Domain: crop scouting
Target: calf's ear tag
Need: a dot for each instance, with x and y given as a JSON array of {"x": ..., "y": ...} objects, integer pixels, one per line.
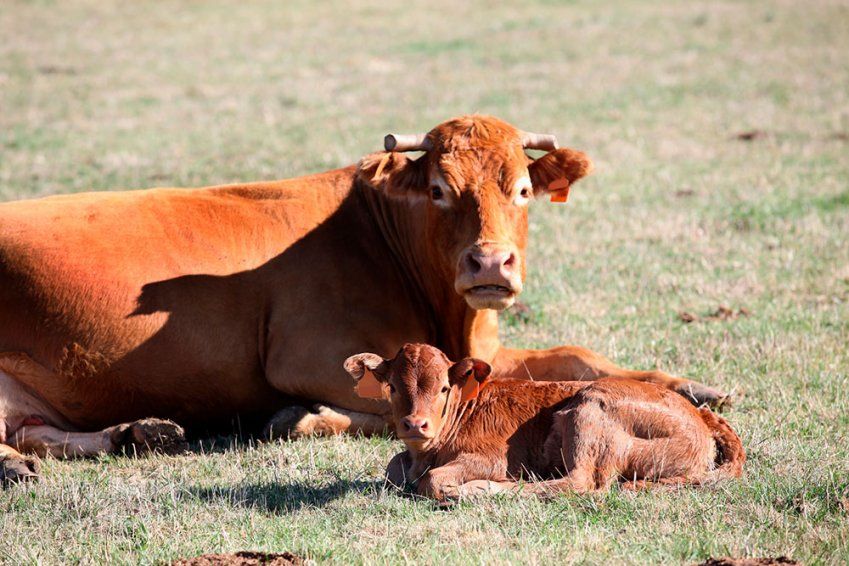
[
  {"x": 368, "y": 386},
  {"x": 559, "y": 190},
  {"x": 470, "y": 389}
]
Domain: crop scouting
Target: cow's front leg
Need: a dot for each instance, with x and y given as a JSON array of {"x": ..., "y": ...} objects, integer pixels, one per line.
[
  {"x": 573, "y": 363},
  {"x": 137, "y": 437},
  {"x": 295, "y": 422},
  {"x": 16, "y": 467}
]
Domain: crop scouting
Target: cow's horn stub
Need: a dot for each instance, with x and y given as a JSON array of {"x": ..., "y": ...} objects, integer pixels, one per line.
[
  {"x": 544, "y": 142},
  {"x": 406, "y": 142}
]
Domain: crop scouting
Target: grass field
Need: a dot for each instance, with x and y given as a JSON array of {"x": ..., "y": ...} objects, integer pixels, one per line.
[{"x": 680, "y": 216}]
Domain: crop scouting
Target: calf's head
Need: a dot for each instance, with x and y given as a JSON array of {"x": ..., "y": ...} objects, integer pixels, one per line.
[
  {"x": 473, "y": 184},
  {"x": 424, "y": 388}
]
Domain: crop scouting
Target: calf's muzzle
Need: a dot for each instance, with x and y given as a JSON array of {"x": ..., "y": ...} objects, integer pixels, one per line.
[{"x": 416, "y": 426}]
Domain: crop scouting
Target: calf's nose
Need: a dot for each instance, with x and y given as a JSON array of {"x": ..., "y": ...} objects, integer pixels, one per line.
[{"x": 415, "y": 424}]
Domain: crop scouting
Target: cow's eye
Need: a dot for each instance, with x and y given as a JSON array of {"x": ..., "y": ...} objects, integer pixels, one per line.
[
  {"x": 445, "y": 390},
  {"x": 523, "y": 196},
  {"x": 436, "y": 193},
  {"x": 391, "y": 388}
]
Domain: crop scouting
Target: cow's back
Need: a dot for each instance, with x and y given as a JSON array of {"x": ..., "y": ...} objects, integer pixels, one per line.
[{"x": 151, "y": 302}]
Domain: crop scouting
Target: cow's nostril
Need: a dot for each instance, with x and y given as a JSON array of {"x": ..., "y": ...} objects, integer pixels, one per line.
[
  {"x": 406, "y": 423},
  {"x": 511, "y": 259},
  {"x": 424, "y": 425},
  {"x": 473, "y": 264}
]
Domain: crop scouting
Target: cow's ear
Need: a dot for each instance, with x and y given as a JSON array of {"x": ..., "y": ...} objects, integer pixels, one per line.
[
  {"x": 554, "y": 172},
  {"x": 370, "y": 372},
  {"x": 393, "y": 173},
  {"x": 470, "y": 376}
]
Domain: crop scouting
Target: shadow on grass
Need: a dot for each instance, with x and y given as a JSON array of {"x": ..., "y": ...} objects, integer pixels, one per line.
[{"x": 281, "y": 498}]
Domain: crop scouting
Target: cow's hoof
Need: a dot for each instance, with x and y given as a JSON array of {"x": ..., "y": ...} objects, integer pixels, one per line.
[
  {"x": 289, "y": 423},
  {"x": 699, "y": 394},
  {"x": 150, "y": 435},
  {"x": 296, "y": 422},
  {"x": 18, "y": 468}
]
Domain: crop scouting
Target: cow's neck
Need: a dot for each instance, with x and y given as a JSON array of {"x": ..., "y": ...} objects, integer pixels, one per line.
[{"x": 453, "y": 326}]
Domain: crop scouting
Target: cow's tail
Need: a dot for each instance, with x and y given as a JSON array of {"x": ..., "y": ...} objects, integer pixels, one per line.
[{"x": 730, "y": 455}]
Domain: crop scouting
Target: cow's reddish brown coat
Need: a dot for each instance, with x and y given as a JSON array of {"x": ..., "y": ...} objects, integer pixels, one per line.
[{"x": 201, "y": 305}]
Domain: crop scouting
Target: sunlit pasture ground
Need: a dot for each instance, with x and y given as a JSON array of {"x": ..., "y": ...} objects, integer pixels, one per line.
[{"x": 681, "y": 215}]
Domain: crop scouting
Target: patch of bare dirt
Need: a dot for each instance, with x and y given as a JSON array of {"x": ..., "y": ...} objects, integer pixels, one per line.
[
  {"x": 843, "y": 502},
  {"x": 243, "y": 558},
  {"x": 721, "y": 313},
  {"x": 777, "y": 561},
  {"x": 750, "y": 135},
  {"x": 56, "y": 70}
]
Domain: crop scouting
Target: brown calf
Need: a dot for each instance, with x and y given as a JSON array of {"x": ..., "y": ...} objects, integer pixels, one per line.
[{"x": 466, "y": 433}]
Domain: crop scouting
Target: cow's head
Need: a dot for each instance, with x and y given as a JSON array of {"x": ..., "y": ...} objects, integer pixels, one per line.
[
  {"x": 424, "y": 388},
  {"x": 475, "y": 182}
]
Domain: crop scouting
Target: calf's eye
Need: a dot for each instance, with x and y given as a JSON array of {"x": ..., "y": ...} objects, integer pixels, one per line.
[
  {"x": 436, "y": 193},
  {"x": 391, "y": 388},
  {"x": 445, "y": 390}
]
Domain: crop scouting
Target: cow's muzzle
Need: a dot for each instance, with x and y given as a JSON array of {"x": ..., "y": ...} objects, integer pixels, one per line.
[{"x": 489, "y": 276}]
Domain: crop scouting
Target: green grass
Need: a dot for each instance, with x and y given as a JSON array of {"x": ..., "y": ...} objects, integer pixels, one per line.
[{"x": 679, "y": 216}]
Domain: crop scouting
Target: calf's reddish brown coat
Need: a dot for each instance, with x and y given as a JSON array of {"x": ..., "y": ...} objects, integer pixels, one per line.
[{"x": 466, "y": 433}]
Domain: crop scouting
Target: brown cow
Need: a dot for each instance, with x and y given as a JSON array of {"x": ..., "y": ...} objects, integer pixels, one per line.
[
  {"x": 203, "y": 305},
  {"x": 467, "y": 434}
]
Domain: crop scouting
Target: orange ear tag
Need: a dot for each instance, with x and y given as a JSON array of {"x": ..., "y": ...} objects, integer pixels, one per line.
[
  {"x": 559, "y": 190},
  {"x": 470, "y": 390},
  {"x": 369, "y": 387}
]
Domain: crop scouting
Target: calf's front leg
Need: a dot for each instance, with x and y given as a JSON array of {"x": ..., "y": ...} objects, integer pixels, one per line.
[
  {"x": 444, "y": 482},
  {"x": 573, "y": 363},
  {"x": 398, "y": 471},
  {"x": 439, "y": 483}
]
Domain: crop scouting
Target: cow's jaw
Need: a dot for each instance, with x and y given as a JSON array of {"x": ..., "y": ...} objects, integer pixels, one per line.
[{"x": 495, "y": 297}]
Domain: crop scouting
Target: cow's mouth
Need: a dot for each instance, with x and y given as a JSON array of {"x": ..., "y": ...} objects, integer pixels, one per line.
[
  {"x": 497, "y": 297},
  {"x": 491, "y": 289}
]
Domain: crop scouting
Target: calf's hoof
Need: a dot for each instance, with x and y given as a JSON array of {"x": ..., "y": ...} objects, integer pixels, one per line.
[
  {"x": 476, "y": 488},
  {"x": 150, "y": 435},
  {"x": 18, "y": 468},
  {"x": 699, "y": 394}
]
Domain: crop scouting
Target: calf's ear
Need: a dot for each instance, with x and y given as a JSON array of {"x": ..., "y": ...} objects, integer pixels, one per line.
[
  {"x": 554, "y": 172},
  {"x": 470, "y": 375},
  {"x": 393, "y": 173},
  {"x": 369, "y": 372}
]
